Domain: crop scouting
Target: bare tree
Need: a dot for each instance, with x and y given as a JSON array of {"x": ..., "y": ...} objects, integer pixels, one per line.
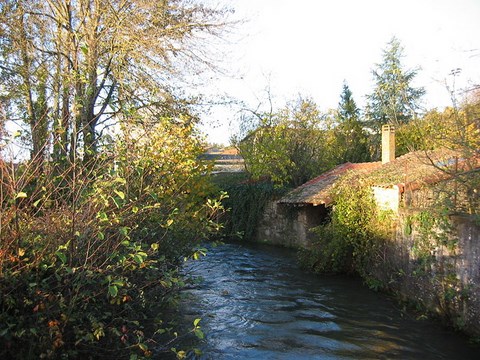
[{"x": 75, "y": 67}]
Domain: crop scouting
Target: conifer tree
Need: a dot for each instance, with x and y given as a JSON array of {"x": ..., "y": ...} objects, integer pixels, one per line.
[
  {"x": 394, "y": 99},
  {"x": 351, "y": 138}
]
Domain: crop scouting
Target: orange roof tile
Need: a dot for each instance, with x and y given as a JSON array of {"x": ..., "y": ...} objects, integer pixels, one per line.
[
  {"x": 422, "y": 167},
  {"x": 411, "y": 170},
  {"x": 318, "y": 190}
]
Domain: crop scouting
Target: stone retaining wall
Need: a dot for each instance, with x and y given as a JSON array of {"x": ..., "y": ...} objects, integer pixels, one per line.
[{"x": 449, "y": 285}]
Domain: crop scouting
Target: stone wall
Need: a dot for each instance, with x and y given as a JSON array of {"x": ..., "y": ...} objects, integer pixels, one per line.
[
  {"x": 289, "y": 226},
  {"x": 449, "y": 283}
]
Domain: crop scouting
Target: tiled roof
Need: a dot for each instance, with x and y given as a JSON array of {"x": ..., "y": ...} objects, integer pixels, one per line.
[
  {"x": 318, "y": 190},
  {"x": 412, "y": 170},
  {"x": 422, "y": 167}
]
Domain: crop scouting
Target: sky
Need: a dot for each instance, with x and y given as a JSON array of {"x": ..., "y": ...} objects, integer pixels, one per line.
[{"x": 311, "y": 47}]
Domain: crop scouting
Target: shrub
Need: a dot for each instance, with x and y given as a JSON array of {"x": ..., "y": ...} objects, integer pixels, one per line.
[
  {"x": 89, "y": 261},
  {"x": 354, "y": 241}
]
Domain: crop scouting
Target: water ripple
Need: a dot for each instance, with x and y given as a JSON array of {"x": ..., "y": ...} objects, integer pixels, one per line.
[{"x": 256, "y": 304}]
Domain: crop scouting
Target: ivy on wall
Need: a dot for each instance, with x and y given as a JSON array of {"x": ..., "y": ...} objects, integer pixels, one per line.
[
  {"x": 354, "y": 241},
  {"x": 245, "y": 204},
  {"x": 434, "y": 243}
]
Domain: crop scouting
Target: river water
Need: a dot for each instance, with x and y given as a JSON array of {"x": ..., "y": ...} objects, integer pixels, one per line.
[{"x": 255, "y": 303}]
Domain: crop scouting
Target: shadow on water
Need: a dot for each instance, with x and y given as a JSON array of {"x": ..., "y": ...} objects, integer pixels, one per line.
[{"x": 255, "y": 303}]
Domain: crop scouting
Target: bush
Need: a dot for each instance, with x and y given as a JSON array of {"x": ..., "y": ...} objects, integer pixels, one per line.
[
  {"x": 329, "y": 252},
  {"x": 355, "y": 240},
  {"x": 245, "y": 204},
  {"x": 89, "y": 261}
]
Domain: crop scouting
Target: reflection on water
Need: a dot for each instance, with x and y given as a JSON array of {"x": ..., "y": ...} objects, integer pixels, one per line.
[{"x": 256, "y": 304}]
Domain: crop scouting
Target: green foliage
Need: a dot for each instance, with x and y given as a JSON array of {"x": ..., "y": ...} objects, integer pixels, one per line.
[
  {"x": 351, "y": 140},
  {"x": 433, "y": 230},
  {"x": 329, "y": 253},
  {"x": 66, "y": 81},
  {"x": 358, "y": 240},
  {"x": 394, "y": 100},
  {"x": 224, "y": 180},
  {"x": 245, "y": 204},
  {"x": 433, "y": 234},
  {"x": 93, "y": 227},
  {"x": 93, "y": 267},
  {"x": 454, "y": 129},
  {"x": 244, "y": 201},
  {"x": 290, "y": 146},
  {"x": 354, "y": 240}
]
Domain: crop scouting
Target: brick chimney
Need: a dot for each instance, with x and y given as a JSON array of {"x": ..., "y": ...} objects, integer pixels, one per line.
[{"x": 388, "y": 143}]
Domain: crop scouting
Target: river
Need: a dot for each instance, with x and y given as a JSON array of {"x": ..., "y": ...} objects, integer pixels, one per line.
[{"x": 255, "y": 303}]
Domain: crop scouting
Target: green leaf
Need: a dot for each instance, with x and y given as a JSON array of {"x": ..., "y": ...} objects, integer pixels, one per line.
[
  {"x": 117, "y": 283},
  {"x": 117, "y": 203},
  {"x": 21, "y": 195},
  {"x": 100, "y": 236},
  {"x": 121, "y": 194},
  {"x": 124, "y": 230},
  {"x": 102, "y": 216},
  {"x": 199, "y": 334},
  {"x": 61, "y": 256},
  {"x": 198, "y": 352},
  {"x": 138, "y": 259},
  {"x": 112, "y": 290},
  {"x": 120, "y": 180},
  {"x": 195, "y": 323}
]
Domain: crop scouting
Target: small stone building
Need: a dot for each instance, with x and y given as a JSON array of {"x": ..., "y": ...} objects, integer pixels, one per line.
[{"x": 288, "y": 221}]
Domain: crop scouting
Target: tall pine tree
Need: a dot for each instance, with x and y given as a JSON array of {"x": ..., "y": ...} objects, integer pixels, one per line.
[
  {"x": 351, "y": 138},
  {"x": 394, "y": 100}
]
